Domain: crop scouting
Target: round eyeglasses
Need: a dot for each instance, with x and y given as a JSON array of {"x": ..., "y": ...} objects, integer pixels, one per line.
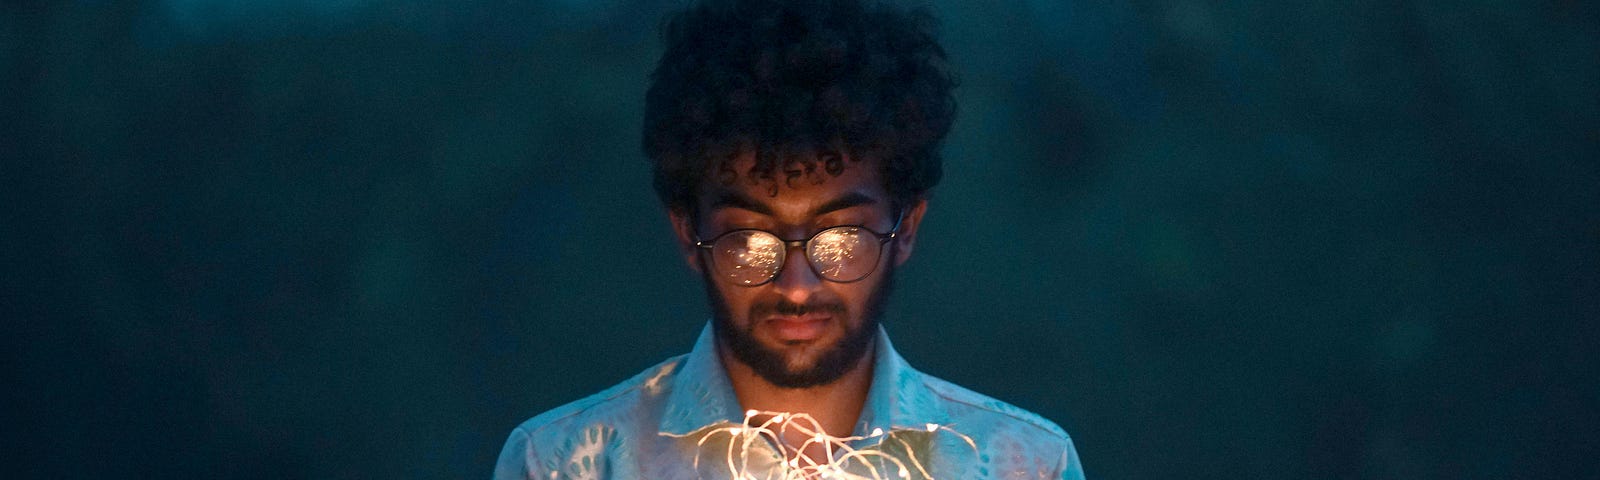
[{"x": 843, "y": 254}]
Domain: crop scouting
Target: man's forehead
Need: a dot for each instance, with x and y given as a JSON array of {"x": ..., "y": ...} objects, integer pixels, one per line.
[
  {"x": 792, "y": 189},
  {"x": 790, "y": 205}
]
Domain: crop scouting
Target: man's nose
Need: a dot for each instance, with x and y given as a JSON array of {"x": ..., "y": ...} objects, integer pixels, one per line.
[{"x": 796, "y": 281}]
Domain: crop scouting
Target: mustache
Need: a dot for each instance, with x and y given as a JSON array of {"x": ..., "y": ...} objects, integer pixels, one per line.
[{"x": 788, "y": 308}]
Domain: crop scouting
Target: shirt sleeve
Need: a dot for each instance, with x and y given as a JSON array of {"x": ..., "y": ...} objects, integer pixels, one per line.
[
  {"x": 1071, "y": 467},
  {"x": 516, "y": 458}
]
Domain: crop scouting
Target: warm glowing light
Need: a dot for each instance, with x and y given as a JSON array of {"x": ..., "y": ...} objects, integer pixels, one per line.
[
  {"x": 759, "y": 253},
  {"x": 842, "y": 460},
  {"x": 834, "y": 249}
]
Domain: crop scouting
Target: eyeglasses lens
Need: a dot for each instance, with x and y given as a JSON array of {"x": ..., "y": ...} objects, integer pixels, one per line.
[
  {"x": 842, "y": 254},
  {"x": 748, "y": 257}
]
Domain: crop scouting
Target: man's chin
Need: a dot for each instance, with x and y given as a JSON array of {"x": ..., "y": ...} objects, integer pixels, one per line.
[
  {"x": 801, "y": 364},
  {"x": 800, "y": 374},
  {"x": 798, "y": 359},
  {"x": 786, "y": 363}
]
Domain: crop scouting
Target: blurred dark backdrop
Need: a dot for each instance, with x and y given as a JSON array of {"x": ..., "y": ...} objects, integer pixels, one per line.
[{"x": 364, "y": 239}]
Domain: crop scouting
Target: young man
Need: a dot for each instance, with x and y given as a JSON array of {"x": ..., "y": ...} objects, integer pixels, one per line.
[{"x": 794, "y": 143}]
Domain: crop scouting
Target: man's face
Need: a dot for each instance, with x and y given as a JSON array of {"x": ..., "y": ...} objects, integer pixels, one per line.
[{"x": 798, "y": 330}]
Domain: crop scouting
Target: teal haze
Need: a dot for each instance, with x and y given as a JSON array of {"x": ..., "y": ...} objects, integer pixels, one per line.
[{"x": 1211, "y": 239}]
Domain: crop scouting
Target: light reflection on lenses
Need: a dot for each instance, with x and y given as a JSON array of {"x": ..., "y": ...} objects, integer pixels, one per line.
[
  {"x": 748, "y": 257},
  {"x": 754, "y": 257},
  {"x": 837, "y": 254}
]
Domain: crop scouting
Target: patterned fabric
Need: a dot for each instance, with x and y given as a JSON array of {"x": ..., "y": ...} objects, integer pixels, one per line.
[{"x": 680, "y": 420}]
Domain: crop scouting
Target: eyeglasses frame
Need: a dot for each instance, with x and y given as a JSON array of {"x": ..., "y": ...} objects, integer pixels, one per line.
[{"x": 883, "y": 238}]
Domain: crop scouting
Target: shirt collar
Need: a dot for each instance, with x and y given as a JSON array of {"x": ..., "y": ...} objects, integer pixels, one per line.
[
  {"x": 898, "y": 398},
  {"x": 702, "y": 395}
]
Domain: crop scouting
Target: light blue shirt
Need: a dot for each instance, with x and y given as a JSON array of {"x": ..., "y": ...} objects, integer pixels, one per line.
[{"x": 681, "y": 420}]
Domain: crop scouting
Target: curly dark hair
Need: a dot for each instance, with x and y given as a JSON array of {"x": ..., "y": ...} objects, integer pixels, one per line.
[{"x": 801, "y": 84}]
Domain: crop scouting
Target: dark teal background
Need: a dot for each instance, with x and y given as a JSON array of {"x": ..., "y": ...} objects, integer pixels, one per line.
[{"x": 364, "y": 239}]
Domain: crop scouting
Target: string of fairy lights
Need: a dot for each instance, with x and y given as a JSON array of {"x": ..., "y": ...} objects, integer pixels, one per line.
[{"x": 841, "y": 460}]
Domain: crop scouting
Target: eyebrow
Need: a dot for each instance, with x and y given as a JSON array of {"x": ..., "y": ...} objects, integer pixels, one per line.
[
  {"x": 744, "y": 202},
  {"x": 852, "y": 199},
  {"x": 740, "y": 201}
]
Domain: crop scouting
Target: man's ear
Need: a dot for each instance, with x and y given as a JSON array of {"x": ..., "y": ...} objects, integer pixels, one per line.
[
  {"x": 683, "y": 229},
  {"x": 907, "y": 236}
]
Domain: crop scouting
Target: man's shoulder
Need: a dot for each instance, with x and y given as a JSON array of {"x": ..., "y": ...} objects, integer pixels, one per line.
[
  {"x": 569, "y": 436},
  {"x": 622, "y": 399},
  {"x": 1026, "y": 441},
  {"x": 973, "y": 409}
]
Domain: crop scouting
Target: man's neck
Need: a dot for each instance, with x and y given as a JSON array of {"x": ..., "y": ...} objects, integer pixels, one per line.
[{"x": 835, "y": 406}]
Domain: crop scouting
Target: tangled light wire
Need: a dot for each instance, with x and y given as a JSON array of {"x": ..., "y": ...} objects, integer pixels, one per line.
[{"x": 797, "y": 465}]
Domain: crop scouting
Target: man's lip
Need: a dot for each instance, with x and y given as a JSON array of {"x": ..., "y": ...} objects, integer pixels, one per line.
[{"x": 798, "y": 328}]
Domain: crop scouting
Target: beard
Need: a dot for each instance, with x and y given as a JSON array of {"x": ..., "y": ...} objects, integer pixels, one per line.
[{"x": 771, "y": 364}]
